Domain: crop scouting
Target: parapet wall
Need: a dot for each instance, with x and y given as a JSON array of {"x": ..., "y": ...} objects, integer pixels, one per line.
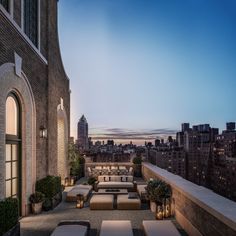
[{"x": 197, "y": 209}]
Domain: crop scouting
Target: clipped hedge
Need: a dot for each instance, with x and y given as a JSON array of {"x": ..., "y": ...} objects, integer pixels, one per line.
[
  {"x": 9, "y": 214},
  {"x": 49, "y": 186}
]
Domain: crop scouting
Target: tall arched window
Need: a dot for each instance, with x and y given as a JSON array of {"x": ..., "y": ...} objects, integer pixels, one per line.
[{"x": 13, "y": 146}]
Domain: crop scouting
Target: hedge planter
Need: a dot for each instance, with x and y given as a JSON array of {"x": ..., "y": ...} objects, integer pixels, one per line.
[
  {"x": 14, "y": 231},
  {"x": 37, "y": 207}
]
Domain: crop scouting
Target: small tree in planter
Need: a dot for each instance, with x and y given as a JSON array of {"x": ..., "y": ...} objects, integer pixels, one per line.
[
  {"x": 152, "y": 193},
  {"x": 137, "y": 161},
  {"x": 36, "y": 199},
  {"x": 76, "y": 162},
  {"x": 92, "y": 181}
]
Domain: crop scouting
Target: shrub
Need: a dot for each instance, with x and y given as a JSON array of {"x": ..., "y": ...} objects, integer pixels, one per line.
[
  {"x": 91, "y": 180},
  {"x": 137, "y": 160},
  {"x": 49, "y": 186},
  {"x": 158, "y": 190},
  {"x": 8, "y": 214},
  {"x": 36, "y": 197}
]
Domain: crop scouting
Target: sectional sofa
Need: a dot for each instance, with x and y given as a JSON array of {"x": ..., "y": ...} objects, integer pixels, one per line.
[{"x": 116, "y": 182}]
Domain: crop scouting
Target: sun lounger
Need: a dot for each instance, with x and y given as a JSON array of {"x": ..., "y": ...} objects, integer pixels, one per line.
[
  {"x": 72, "y": 228},
  {"x": 116, "y": 228},
  {"x": 160, "y": 228}
]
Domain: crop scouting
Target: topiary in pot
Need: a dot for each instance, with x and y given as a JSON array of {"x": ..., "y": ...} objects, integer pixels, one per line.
[
  {"x": 137, "y": 161},
  {"x": 36, "y": 199}
]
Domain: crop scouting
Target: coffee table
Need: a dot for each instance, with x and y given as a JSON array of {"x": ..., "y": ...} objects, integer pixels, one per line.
[{"x": 112, "y": 191}]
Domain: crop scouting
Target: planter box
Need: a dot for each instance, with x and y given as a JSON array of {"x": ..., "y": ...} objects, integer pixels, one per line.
[
  {"x": 53, "y": 202},
  {"x": 15, "y": 231}
]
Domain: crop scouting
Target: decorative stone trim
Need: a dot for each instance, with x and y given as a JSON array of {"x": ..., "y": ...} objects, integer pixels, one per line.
[{"x": 10, "y": 82}]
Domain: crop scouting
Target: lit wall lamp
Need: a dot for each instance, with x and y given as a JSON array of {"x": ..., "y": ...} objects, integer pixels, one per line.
[{"x": 43, "y": 132}]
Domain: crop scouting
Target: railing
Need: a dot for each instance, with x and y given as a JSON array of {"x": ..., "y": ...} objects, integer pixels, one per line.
[{"x": 197, "y": 209}]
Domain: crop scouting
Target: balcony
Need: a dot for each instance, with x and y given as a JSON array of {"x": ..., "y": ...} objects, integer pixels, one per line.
[{"x": 196, "y": 210}]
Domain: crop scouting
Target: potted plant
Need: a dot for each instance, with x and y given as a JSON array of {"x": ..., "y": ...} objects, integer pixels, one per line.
[
  {"x": 162, "y": 193},
  {"x": 36, "y": 199},
  {"x": 137, "y": 161},
  {"x": 92, "y": 181},
  {"x": 152, "y": 193}
]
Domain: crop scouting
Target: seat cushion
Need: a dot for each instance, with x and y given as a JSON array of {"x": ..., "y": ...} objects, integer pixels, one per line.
[
  {"x": 126, "y": 203},
  {"x": 102, "y": 202},
  {"x": 72, "y": 230},
  {"x": 78, "y": 189}
]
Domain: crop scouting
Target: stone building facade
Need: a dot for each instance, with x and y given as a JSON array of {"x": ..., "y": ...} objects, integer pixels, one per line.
[{"x": 34, "y": 98}]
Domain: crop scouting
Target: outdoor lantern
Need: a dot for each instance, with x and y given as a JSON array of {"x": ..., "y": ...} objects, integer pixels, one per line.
[
  {"x": 72, "y": 181},
  {"x": 79, "y": 201},
  {"x": 43, "y": 132},
  {"x": 66, "y": 181},
  {"x": 167, "y": 208},
  {"x": 159, "y": 212}
]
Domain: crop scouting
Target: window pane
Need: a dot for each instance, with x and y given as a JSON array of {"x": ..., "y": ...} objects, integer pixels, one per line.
[
  {"x": 14, "y": 152},
  {"x": 11, "y": 116},
  {"x": 31, "y": 20},
  {"x": 5, "y": 4},
  {"x": 14, "y": 186},
  {"x": 14, "y": 169},
  {"x": 8, "y": 188},
  {"x": 8, "y": 170},
  {"x": 8, "y": 152}
]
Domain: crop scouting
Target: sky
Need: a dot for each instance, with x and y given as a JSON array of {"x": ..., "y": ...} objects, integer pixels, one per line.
[{"x": 140, "y": 68}]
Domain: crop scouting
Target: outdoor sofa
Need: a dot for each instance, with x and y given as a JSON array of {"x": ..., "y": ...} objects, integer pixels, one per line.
[{"x": 116, "y": 182}]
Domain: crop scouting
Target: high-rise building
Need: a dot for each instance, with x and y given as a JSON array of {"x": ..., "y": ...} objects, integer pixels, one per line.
[
  {"x": 185, "y": 127},
  {"x": 82, "y": 134},
  {"x": 230, "y": 126}
]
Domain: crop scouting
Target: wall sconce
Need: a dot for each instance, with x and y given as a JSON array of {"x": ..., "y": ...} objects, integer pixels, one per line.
[
  {"x": 43, "y": 132},
  {"x": 79, "y": 201}
]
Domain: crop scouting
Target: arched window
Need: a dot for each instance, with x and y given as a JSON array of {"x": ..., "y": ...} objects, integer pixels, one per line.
[{"x": 13, "y": 147}]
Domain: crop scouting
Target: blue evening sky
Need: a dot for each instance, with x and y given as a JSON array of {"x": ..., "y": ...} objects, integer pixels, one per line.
[{"x": 143, "y": 65}]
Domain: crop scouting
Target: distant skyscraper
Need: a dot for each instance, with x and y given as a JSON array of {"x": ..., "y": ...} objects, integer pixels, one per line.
[
  {"x": 185, "y": 127},
  {"x": 82, "y": 133}
]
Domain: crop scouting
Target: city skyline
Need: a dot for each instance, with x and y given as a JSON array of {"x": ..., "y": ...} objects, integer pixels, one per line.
[{"x": 144, "y": 66}]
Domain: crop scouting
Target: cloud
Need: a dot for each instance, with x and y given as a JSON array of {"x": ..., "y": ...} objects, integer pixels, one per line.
[{"x": 128, "y": 134}]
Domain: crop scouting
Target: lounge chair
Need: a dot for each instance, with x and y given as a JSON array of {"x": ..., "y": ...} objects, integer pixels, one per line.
[
  {"x": 160, "y": 228},
  {"x": 116, "y": 228},
  {"x": 72, "y": 228}
]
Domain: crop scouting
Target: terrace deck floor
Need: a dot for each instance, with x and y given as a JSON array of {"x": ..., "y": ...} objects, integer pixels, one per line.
[{"x": 45, "y": 223}]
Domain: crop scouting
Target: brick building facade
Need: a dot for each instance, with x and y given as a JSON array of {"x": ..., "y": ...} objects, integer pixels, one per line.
[{"x": 34, "y": 98}]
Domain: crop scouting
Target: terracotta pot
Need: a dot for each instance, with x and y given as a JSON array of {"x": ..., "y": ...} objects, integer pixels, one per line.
[
  {"x": 37, "y": 207},
  {"x": 153, "y": 206}
]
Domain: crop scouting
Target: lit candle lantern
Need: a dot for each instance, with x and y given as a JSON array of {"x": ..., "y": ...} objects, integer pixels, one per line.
[
  {"x": 72, "y": 181},
  {"x": 159, "y": 212},
  {"x": 167, "y": 208},
  {"x": 79, "y": 201},
  {"x": 66, "y": 181}
]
